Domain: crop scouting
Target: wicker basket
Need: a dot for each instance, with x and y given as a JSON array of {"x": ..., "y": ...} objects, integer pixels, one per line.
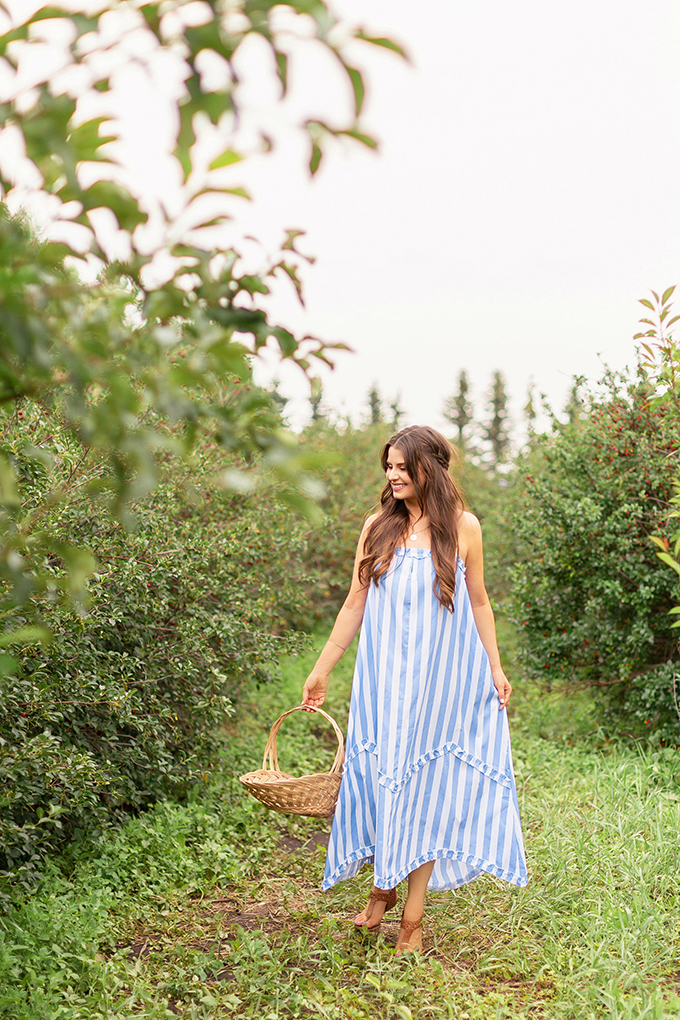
[{"x": 314, "y": 795}]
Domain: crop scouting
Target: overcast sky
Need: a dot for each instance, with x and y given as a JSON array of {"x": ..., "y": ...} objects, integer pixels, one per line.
[{"x": 524, "y": 196}]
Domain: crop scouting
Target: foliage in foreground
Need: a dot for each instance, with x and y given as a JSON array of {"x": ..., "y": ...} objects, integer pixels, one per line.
[
  {"x": 99, "y": 383},
  {"x": 202, "y": 911},
  {"x": 121, "y": 706},
  {"x": 590, "y": 596},
  {"x": 168, "y": 332}
]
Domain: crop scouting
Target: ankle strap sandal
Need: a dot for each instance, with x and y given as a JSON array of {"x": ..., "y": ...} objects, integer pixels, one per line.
[{"x": 409, "y": 927}]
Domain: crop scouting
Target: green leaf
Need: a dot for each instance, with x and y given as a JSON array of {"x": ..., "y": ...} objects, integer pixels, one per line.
[
  {"x": 282, "y": 70},
  {"x": 302, "y": 504},
  {"x": 669, "y": 561},
  {"x": 287, "y": 341},
  {"x": 9, "y": 493},
  {"x": 207, "y": 37},
  {"x": 289, "y": 245},
  {"x": 240, "y": 192},
  {"x": 315, "y": 388},
  {"x": 231, "y": 357},
  {"x": 8, "y": 37},
  {"x": 367, "y": 140},
  {"x": 666, "y": 294},
  {"x": 291, "y": 237},
  {"x": 315, "y": 158},
  {"x": 105, "y": 193},
  {"x": 8, "y": 665},
  {"x": 226, "y": 159},
  {"x": 26, "y": 636},
  {"x": 151, "y": 16},
  {"x": 86, "y": 140},
  {"x": 252, "y": 284},
  {"x": 244, "y": 320},
  {"x": 291, "y": 272},
  {"x": 675, "y": 610},
  {"x": 646, "y": 303},
  {"x": 358, "y": 88},
  {"x": 388, "y": 44},
  {"x": 165, "y": 304}
]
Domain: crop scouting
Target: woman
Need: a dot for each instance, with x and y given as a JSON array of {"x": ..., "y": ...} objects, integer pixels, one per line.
[{"x": 428, "y": 790}]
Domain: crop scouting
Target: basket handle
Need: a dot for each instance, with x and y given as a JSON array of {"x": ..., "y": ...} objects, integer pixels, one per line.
[{"x": 270, "y": 749}]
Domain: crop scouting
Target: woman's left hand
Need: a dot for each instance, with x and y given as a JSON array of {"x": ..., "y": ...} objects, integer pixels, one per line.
[{"x": 502, "y": 685}]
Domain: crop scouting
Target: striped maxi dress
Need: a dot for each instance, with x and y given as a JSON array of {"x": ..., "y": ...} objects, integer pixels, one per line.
[{"x": 428, "y": 773}]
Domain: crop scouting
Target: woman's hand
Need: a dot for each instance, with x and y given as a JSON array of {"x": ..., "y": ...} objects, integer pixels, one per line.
[
  {"x": 314, "y": 691},
  {"x": 502, "y": 685}
]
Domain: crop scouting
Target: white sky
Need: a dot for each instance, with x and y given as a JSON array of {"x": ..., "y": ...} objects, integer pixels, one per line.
[{"x": 524, "y": 196}]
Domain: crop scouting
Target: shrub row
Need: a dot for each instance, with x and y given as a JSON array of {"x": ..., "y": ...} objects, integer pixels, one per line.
[
  {"x": 120, "y": 707},
  {"x": 590, "y": 596}
]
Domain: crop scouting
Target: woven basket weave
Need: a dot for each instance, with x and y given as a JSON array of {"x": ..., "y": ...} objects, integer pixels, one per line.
[{"x": 313, "y": 795}]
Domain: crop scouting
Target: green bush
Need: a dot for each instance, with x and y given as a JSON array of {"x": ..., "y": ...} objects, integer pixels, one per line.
[
  {"x": 493, "y": 497},
  {"x": 121, "y": 706},
  {"x": 352, "y": 477},
  {"x": 589, "y": 595}
]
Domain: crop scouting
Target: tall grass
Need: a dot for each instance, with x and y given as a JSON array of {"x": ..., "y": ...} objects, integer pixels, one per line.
[{"x": 203, "y": 910}]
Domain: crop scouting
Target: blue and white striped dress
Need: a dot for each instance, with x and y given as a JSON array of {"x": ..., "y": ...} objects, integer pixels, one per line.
[{"x": 428, "y": 774}]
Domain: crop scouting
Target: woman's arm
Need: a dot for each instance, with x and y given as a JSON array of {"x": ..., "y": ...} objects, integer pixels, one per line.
[
  {"x": 345, "y": 629},
  {"x": 481, "y": 607}
]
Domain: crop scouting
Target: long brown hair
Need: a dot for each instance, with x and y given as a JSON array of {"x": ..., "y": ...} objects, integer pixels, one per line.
[{"x": 427, "y": 456}]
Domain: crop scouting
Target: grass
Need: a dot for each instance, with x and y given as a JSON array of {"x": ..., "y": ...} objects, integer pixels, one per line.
[{"x": 212, "y": 909}]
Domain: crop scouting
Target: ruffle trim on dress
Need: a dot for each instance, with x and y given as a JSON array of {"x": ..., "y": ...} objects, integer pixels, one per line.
[
  {"x": 360, "y": 857},
  {"x": 395, "y": 785},
  {"x": 351, "y": 866}
]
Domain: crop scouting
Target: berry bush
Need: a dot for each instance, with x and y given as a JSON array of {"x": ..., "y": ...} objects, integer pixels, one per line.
[{"x": 589, "y": 594}]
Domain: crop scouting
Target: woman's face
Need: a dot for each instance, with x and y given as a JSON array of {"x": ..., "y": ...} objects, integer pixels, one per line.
[{"x": 397, "y": 475}]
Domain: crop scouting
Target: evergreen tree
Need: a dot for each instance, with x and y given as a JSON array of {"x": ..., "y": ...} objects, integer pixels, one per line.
[
  {"x": 529, "y": 409},
  {"x": 375, "y": 405},
  {"x": 496, "y": 431},
  {"x": 397, "y": 412},
  {"x": 458, "y": 409}
]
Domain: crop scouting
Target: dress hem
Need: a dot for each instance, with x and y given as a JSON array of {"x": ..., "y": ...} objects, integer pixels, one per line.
[{"x": 366, "y": 854}]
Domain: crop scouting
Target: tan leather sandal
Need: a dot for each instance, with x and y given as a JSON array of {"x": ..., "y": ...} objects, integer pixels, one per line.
[
  {"x": 409, "y": 927},
  {"x": 386, "y": 896}
]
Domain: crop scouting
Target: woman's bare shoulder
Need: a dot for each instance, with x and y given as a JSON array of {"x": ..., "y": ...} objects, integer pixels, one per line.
[
  {"x": 469, "y": 534},
  {"x": 468, "y": 524},
  {"x": 367, "y": 523}
]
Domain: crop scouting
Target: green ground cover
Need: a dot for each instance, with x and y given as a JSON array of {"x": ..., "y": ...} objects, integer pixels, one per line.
[{"x": 212, "y": 909}]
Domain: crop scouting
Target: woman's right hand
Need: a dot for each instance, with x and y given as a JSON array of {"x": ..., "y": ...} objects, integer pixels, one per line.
[{"x": 314, "y": 691}]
